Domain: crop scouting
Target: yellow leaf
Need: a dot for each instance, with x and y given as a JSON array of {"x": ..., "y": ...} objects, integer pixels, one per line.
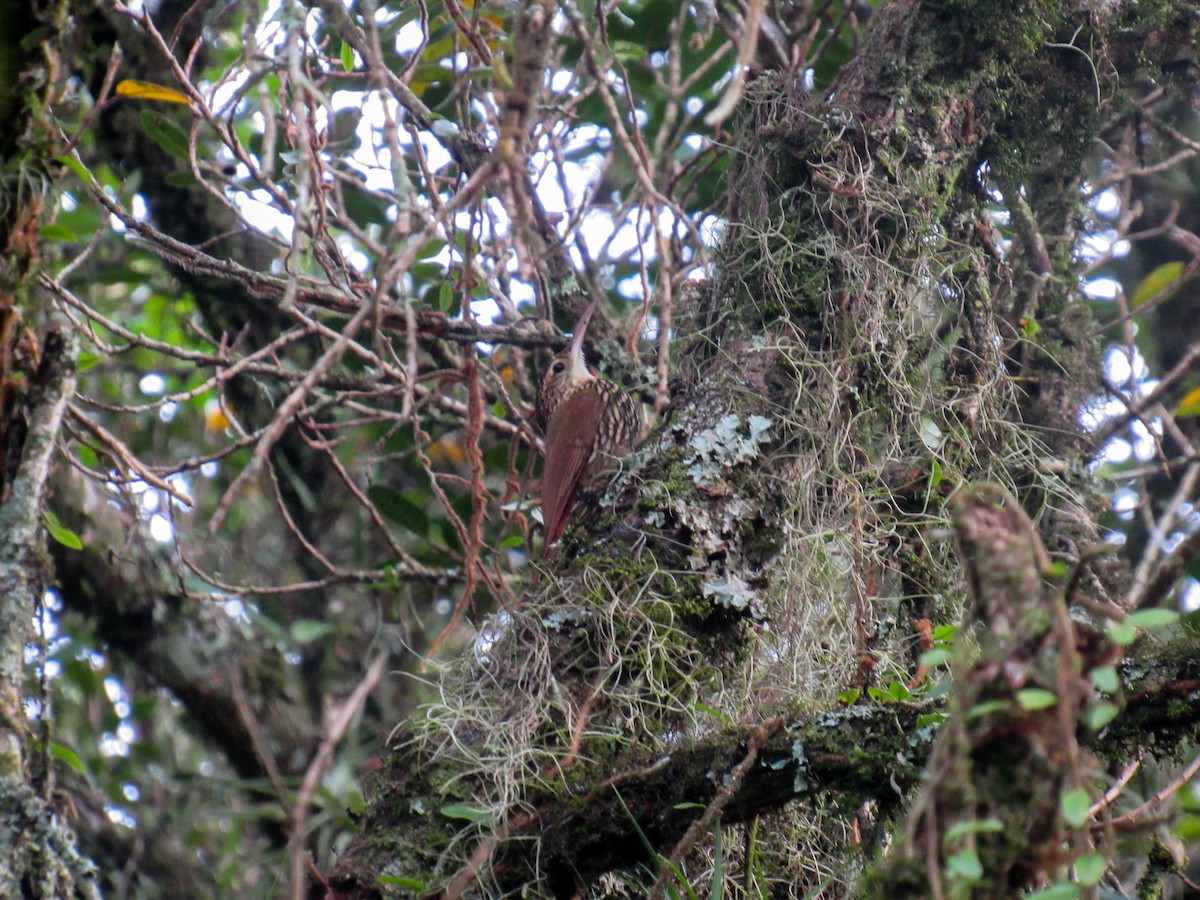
[
  {"x": 144, "y": 90},
  {"x": 1164, "y": 277},
  {"x": 1189, "y": 404},
  {"x": 215, "y": 417},
  {"x": 448, "y": 450}
]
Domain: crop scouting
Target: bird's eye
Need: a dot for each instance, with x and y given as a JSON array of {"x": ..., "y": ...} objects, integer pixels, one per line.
[{"x": 558, "y": 367}]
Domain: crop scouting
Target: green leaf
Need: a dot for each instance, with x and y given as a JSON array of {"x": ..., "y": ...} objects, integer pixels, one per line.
[
  {"x": 60, "y": 533},
  {"x": 931, "y": 435},
  {"x": 1036, "y": 698},
  {"x": 940, "y": 689},
  {"x": 935, "y": 474},
  {"x": 1058, "y": 569},
  {"x": 403, "y": 881},
  {"x": 945, "y": 634},
  {"x": 1090, "y": 869},
  {"x": 305, "y": 631},
  {"x": 58, "y": 234},
  {"x": 395, "y": 506},
  {"x": 628, "y": 51},
  {"x": 931, "y": 720},
  {"x": 1188, "y": 829},
  {"x": 850, "y": 697},
  {"x": 1105, "y": 679},
  {"x": 1074, "y": 806},
  {"x": 447, "y": 298},
  {"x": 347, "y": 57},
  {"x": 899, "y": 692},
  {"x": 364, "y": 207},
  {"x": 355, "y": 802},
  {"x": 69, "y": 757},
  {"x": 1165, "y": 276},
  {"x": 78, "y": 168},
  {"x": 465, "y": 811},
  {"x": 181, "y": 178},
  {"x": 936, "y": 657},
  {"x": 982, "y": 826},
  {"x": 165, "y": 133},
  {"x": 1065, "y": 891},
  {"x": 1101, "y": 714},
  {"x": 1123, "y": 633},
  {"x": 715, "y": 713},
  {"x": 1153, "y": 618},
  {"x": 982, "y": 709},
  {"x": 965, "y": 864}
]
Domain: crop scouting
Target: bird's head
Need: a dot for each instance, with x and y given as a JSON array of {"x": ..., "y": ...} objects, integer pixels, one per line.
[{"x": 566, "y": 373}]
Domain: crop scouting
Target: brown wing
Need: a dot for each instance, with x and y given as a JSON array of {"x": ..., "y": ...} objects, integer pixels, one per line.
[{"x": 570, "y": 438}]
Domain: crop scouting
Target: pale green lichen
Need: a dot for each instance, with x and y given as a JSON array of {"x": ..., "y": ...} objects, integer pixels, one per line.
[
  {"x": 711, "y": 450},
  {"x": 734, "y": 593},
  {"x": 801, "y": 782}
]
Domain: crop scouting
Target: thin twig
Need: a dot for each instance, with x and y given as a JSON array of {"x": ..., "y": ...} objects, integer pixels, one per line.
[
  {"x": 123, "y": 456},
  {"x": 729, "y": 788},
  {"x": 1161, "y": 796},
  {"x": 297, "y": 853},
  {"x": 1118, "y": 786},
  {"x": 284, "y": 415}
]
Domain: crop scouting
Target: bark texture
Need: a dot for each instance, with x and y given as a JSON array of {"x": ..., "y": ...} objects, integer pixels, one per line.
[{"x": 37, "y": 377}]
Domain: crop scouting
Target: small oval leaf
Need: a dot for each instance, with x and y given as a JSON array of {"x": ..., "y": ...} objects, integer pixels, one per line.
[
  {"x": 1074, "y": 806},
  {"x": 1158, "y": 281},
  {"x": 1153, "y": 618},
  {"x": 465, "y": 811},
  {"x": 1036, "y": 698}
]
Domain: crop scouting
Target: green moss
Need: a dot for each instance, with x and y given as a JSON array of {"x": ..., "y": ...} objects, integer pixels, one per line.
[
  {"x": 671, "y": 484},
  {"x": 761, "y": 540},
  {"x": 1161, "y": 863},
  {"x": 409, "y": 827}
]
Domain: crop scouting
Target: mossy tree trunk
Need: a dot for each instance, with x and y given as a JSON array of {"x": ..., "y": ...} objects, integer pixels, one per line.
[
  {"x": 38, "y": 853},
  {"x": 740, "y": 631}
]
